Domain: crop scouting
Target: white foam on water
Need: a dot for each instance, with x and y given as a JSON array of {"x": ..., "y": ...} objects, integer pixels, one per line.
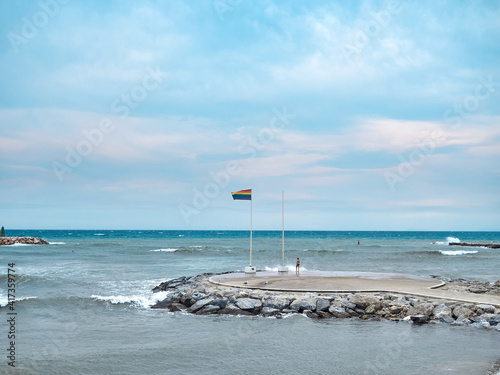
[
  {"x": 448, "y": 241},
  {"x": 458, "y": 252},
  {"x": 21, "y": 244},
  {"x": 57, "y": 243},
  {"x": 99, "y": 234},
  {"x": 138, "y": 300},
  {"x": 4, "y": 301},
  {"x": 169, "y": 250}
]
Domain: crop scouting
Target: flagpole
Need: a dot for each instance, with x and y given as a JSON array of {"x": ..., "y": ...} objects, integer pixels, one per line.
[
  {"x": 283, "y": 268},
  {"x": 251, "y": 231}
]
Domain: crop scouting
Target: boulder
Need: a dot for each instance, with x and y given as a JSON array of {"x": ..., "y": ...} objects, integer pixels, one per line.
[
  {"x": 488, "y": 309},
  {"x": 462, "y": 311},
  {"x": 221, "y": 302},
  {"x": 177, "y": 307},
  {"x": 230, "y": 309},
  {"x": 208, "y": 309},
  {"x": 322, "y": 304},
  {"x": 492, "y": 319},
  {"x": 441, "y": 310},
  {"x": 323, "y": 314},
  {"x": 363, "y": 300},
  {"x": 338, "y": 312},
  {"x": 249, "y": 304},
  {"x": 461, "y": 321},
  {"x": 373, "y": 308},
  {"x": 299, "y": 305},
  {"x": 164, "y": 304},
  {"x": 419, "y": 319},
  {"x": 277, "y": 303},
  {"x": 199, "y": 304},
  {"x": 397, "y": 308},
  {"x": 269, "y": 311},
  {"x": 310, "y": 314},
  {"x": 422, "y": 308}
]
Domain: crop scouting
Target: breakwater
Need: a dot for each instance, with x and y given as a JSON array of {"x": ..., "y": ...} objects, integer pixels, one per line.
[
  {"x": 487, "y": 245},
  {"x": 197, "y": 295},
  {"x": 22, "y": 240}
]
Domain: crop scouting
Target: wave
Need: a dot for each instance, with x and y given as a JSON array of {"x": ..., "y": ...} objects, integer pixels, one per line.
[
  {"x": 458, "y": 252},
  {"x": 4, "y": 300},
  {"x": 137, "y": 300},
  {"x": 99, "y": 234},
  {"x": 21, "y": 244},
  {"x": 448, "y": 241},
  {"x": 57, "y": 243},
  {"x": 169, "y": 250},
  {"x": 190, "y": 249}
]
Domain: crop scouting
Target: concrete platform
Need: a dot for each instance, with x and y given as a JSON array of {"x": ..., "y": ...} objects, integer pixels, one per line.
[{"x": 349, "y": 282}]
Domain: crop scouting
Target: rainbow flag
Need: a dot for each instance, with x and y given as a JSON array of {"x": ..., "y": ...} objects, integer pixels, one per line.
[{"x": 243, "y": 195}]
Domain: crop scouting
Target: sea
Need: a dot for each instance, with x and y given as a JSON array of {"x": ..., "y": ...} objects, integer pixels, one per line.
[{"x": 82, "y": 305}]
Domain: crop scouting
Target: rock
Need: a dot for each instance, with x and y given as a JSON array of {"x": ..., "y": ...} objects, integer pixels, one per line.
[
  {"x": 363, "y": 301},
  {"x": 373, "y": 308},
  {"x": 492, "y": 319},
  {"x": 310, "y": 314},
  {"x": 461, "y": 321},
  {"x": 22, "y": 240},
  {"x": 269, "y": 311},
  {"x": 338, "y": 312},
  {"x": 322, "y": 304},
  {"x": 397, "y": 308},
  {"x": 441, "y": 310},
  {"x": 177, "y": 307},
  {"x": 488, "y": 309},
  {"x": 208, "y": 309},
  {"x": 164, "y": 304},
  {"x": 402, "y": 300},
  {"x": 419, "y": 319},
  {"x": 230, "y": 309},
  {"x": 277, "y": 303},
  {"x": 323, "y": 314},
  {"x": 249, "y": 304},
  {"x": 448, "y": 319},
  {"x": 221, "y": 302},
  {"x": 461, "y": 311},
  {"x": 199, "y": 304},
  {"x": 422, "y": 308},
  {"x": 299, "y": 305}
]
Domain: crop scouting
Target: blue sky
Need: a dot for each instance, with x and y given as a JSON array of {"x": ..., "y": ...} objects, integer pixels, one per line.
[{"x": 370, "y": 115}]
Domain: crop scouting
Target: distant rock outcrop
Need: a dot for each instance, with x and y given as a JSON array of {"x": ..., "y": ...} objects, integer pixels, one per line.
[
  {"x": 488, "y": 245},
  {"x": 22, "y": 240}
]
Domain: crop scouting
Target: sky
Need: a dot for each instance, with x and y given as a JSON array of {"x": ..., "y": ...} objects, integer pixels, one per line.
[{"x": 368, "y": 115}]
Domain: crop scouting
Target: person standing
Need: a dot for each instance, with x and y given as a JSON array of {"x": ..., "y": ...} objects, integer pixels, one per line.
[{"x": 297, "y": 266}]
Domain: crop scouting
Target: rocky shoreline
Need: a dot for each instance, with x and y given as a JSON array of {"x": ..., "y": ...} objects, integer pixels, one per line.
[
  {"x": 22, "y": 240},
  {"x": 197, "y": 295}
]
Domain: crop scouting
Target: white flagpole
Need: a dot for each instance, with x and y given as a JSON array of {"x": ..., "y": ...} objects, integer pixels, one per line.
[
  {"x": 283, "y": 222},
  {"x": 251, "y": 231},
  {"x": 283, "y": 268}
]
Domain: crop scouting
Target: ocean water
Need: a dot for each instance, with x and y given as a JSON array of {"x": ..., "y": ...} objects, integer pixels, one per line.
[{"x": 83, "y": 305}]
